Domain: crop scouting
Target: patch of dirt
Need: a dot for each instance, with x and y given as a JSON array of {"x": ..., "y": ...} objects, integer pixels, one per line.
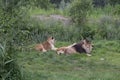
[{"x": 60, "y": 18}]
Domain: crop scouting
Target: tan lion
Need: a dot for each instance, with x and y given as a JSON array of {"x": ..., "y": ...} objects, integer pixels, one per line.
[{"x": 47, "y": 45}]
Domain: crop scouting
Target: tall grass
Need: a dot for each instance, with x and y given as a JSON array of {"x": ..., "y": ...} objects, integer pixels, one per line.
[
  {"x": 9, "y": 69},
  {"x": 42, "y": 30}
]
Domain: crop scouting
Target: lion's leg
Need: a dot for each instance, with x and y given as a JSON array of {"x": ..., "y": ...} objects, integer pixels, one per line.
[
  {"x": 43, "y": 49},
  {"x": 53, "y": 47},
  {"x": 88, "y": 54}
]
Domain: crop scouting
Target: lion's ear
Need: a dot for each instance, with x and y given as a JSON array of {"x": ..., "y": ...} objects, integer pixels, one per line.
[
  {"x": 92, "y": 45},
  {"x": 52, "y": 37}
]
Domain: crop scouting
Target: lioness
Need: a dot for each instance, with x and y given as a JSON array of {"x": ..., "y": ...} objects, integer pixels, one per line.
[
  {"x": 84, "y": 46},
  {"x": 47, "y": 45}
]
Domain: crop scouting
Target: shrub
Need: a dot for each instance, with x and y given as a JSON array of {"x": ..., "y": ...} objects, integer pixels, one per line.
[
  {"x": 114, "y": 2},
  {"x": 12, "y": 22},
  {"x": 43, "y": 4},
  {"x": 79, "y": 9},
  {"x": 116, "y": 10},
  {"x": 107, "y": 27},
  {"x": 100, "y": 3}
]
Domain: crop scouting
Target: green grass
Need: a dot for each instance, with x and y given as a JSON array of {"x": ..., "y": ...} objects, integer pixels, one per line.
[{"x": 104, "y": 64}]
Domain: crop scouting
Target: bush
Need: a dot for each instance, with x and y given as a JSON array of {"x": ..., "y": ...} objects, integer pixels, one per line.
[
  {"x": 12, "y": 27},
  {"x": 106, "y": 27},
  {"x": 100, "y": 3},
  {"x": 114, "y": 2},
  {"x": 43, "y": 4},
  {"x": 116, "y": 10},
  {"x": 79, "y": 9}
]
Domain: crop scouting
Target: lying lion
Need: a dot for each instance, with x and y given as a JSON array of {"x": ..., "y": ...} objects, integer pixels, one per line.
[
  {"x": 84, "y": 46},
  {"x": 47, "y": 45}
]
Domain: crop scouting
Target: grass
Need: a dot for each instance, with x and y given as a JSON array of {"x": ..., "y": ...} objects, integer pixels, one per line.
[{"x": 102, "y": 65}]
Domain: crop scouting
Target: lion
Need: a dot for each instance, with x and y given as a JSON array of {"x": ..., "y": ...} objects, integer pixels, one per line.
[
  {"x": 84, "y": 46},
  {"x": 47, "y": 45}
]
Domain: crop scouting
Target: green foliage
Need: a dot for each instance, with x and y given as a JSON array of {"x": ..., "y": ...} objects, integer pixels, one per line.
[
  {"x": 58, "y": 2},
  {"x": 116, "y": 10},
  {"x": 114, "y": 2},
  {"x": 41, "y": 30},
  {"x": 62, "y": 4},
  {"x": 43, "y": 4},
  {"x": 38, "y": 11},
  {"x": 10, "y": 5},
  {"x": 13, "y": 26},
  {"x": 100, "y": 3},
  {"x": 105, "y": 22},
  {"x": 103, "y": 3},
  {"x": 12, "y": 14},
  {"x": 9, "y": 70},
  {"x": 79, "y": 9},
  {"x": 105, "y": 27}
]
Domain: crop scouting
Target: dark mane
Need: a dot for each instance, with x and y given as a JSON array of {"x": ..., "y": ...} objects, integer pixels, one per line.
[{"x": 78, "y": 48}]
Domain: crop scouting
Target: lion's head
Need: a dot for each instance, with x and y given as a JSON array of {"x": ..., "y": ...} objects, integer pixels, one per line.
[
  {"x": 51, "y": 40},
  {"x": 87, "y": 45}
]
